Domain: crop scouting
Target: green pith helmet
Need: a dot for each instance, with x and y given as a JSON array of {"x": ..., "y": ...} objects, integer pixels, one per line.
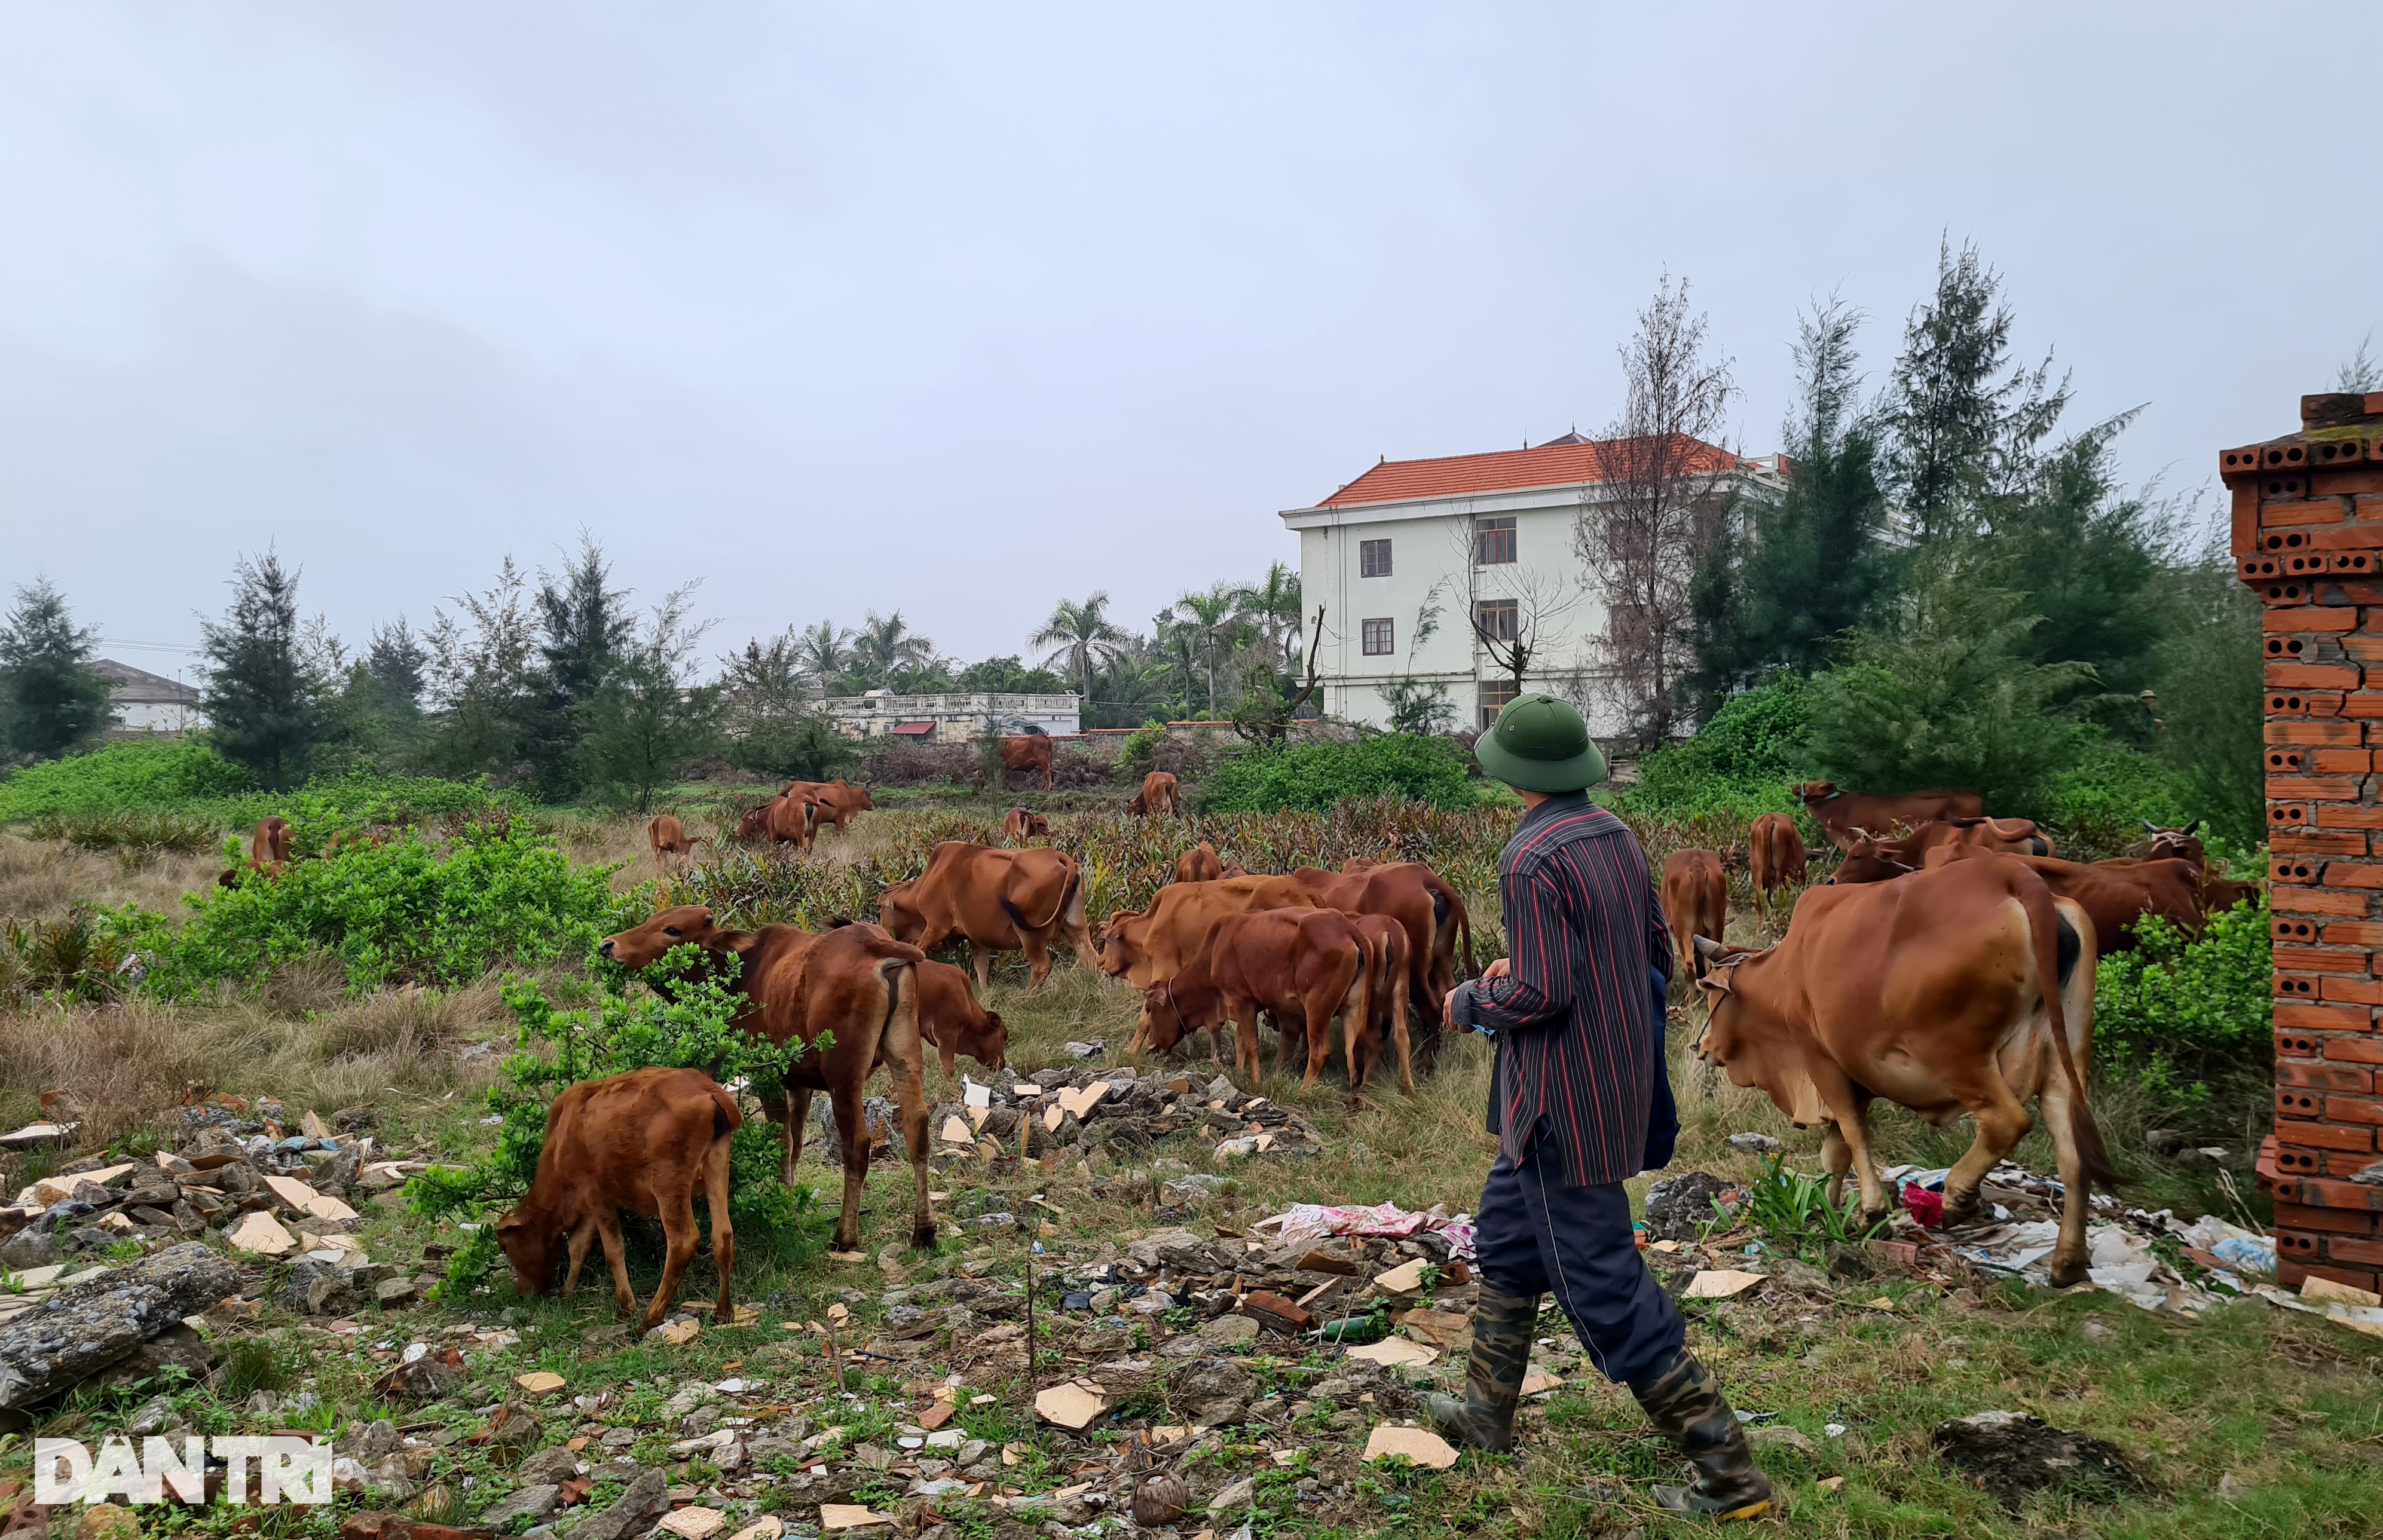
[{"x": 1540, "y": 745}]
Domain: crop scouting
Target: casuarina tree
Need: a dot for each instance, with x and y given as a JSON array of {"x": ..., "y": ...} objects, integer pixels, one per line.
[
  {"x": 264, "y": 705},
  {"x": 51, "y": 701}
]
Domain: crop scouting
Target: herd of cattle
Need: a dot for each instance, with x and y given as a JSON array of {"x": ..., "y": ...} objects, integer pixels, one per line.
[{"x": 1945, "y": 963}]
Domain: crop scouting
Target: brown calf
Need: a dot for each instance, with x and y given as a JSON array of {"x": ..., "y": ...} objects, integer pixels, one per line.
[
  {"x": 839, "y": 801},
  {"x": 1839, "y": 813},
  {"x": 950, "y": 1018},
  {"x": 1308, "y": 966},
  {"x": 1160, "y": 794},
  {"x": 1023, "y": 825},
  {"x": 996, "y": 901},
  {"x": 1387, "y": 997},
  {"x": 668, "y": 836},
  {"x": 1199, "y": 864},
  {"x": 853, "y": 983},
  {"x": 647, "y": 1142},
  {"x": 1774, "y": 856},
  {"x": 1695, "y": 901}
]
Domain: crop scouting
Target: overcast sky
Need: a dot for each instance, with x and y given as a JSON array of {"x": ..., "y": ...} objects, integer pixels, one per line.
[{"x": 962, "y": 309}]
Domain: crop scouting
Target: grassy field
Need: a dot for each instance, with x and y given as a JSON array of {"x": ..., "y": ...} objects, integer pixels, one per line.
[{"x": 2244, "y": 1421}]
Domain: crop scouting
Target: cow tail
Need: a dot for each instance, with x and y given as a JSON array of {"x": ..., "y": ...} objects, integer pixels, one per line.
[
  {"x": 2043, "y": 927},
  {"x": 726, "y": 1118}
]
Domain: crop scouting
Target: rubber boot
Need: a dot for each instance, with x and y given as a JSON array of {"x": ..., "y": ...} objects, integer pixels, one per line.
[
  {"x": 1502, "y": 1325},
  {"x": 1686, "y": 1407}
]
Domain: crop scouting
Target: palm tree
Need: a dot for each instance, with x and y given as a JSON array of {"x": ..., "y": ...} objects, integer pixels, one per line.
[
  {"x": 821, "y": 652},
  {"x": 885, "y": 642},
  {"x": 1272, "y": 606},
  {"x": 1210, "y": 618},
  {"x": 1081, "y": 635}
]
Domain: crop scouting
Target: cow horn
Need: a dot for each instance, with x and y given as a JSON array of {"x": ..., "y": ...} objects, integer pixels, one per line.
[
  {"x": 2150, "y": 828},
  {"x": 2191, "y": 827}
]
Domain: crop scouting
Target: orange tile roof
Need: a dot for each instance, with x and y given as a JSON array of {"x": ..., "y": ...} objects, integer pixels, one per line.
[{"x": 1568, "y": 461}]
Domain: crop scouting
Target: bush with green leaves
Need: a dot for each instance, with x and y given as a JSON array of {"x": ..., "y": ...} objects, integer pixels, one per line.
[
  {"x": 407, "y": 910},
  {"x": 687, "y": 1023},
  {"x": 1740, "y": 763},
  {"x": 2101, "y": 803},
  {"x": 2185, "y": 1015},
  {"x": 168, "y": 775},
  {"x": 127, "y": 830},
  {"x": 1317, "y": 777}
]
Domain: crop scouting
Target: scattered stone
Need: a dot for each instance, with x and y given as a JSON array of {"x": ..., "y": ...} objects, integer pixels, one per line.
[
  {"x": 695, "y": 1523},
  {"x": 539, "y": 1382},
  {"x": 1723, "y": 1283},
  {"x": 397, "y": 1293},
  {"x": 1092, "y": 1050},
  {"x": 2094, "y": 1331},
  {"x": 1679, "y": 1207},
  {"x": 28, "y": 1248},
  {"x": 530, "y": 1502},
  {"x": 1241, "y": 1493},
  {"x": 151, "y": 1418},
  {"x": 261, "y": 1234},
  {"x": 108, "y": 1521},
  {"x": 1778, "y": 1435},
  {"x": 87, "y": 1327},
  {"x": 2166, "y": 1142},
  {"x": 1756, "y": 1144},
  {"x": 2012, "y": 1455},
  {"x": 678, "y": 1333},
  {"x": 1394, "y": 1350},
  {"x": 1406, "y": 1278},
  {"x": 1230, "y": 1331},
  {"x": 647, "y": 1496}
]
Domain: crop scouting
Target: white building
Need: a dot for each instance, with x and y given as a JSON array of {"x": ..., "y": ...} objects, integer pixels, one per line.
[
  {"x": 1486, "y": 536},
  {"x": 142, "y": 702},
  {"x": 951, "y": 718}
]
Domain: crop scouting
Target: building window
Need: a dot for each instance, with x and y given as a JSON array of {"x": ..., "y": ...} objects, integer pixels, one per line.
[
  {"x": 1377, "y": 637},
  {"x": 1373, "y": 559},
  {"x": 1493, "y": 542},
  {"x": 1495, "y": 693},
  {"x": 1496, "y": 619}
]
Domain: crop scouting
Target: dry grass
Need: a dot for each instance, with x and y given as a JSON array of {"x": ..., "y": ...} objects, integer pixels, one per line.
[{"x": 41, "y": 878}]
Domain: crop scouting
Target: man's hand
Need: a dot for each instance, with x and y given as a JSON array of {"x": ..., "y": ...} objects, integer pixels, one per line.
[{"x": 1498, "y": 970}]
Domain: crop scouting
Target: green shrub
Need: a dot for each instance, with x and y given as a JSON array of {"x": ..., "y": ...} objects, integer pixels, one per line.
[
  {"x": 1740, "y": 763},
  {"x": 1317, "y": 777},
  {"x": 77, "y": 959},
  {"x": 168, "y": 774},
  {"x": 2101, "y": 803},
  {"x": 404, "y": 911},
  {"x": 1141, "y": 750},
  {"x": 127, "y": 830},
  {"x": 692, "y": 1028},
  {"x": 2182, "y": 1013}
]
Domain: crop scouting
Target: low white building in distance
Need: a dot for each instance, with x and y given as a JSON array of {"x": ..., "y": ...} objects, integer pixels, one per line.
[
  {"x": 1473, "y": 535},
  {"x": 146, "y": 703},
  {"x": 952, "y": 719}
]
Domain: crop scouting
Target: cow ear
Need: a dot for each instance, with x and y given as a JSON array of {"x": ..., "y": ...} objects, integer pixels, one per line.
[{"x": 736, "y": 941}]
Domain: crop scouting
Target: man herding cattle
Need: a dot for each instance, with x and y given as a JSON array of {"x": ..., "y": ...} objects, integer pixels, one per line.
[{"x": 1570, "y": 1099}]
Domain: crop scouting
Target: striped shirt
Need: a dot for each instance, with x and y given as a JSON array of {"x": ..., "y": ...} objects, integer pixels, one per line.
[{"x": 1584, "y": 924}]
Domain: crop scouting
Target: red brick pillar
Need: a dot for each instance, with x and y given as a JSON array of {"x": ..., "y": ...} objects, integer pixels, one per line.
[{"x": 2308, "y": 537}]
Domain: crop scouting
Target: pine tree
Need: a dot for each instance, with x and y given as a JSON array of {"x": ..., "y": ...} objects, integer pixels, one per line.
[
  {"x": 52, "y": 701},
  {"x": 260, "y": 697},
  {"x": 649, "y": 718}
]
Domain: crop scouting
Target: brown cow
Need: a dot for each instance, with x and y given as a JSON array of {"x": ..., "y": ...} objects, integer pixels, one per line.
[
  {"x": 668, "y": 836},
  {"x": 783, "y": 820},
  {"x": 1387, "y": 997},
  {"x": 647, "y": 1142},
  {"x": 950, "y": 1018},
  {"x": 1964, "y": 989},
  {"x": 853, "y": 983},
  {"x": 1997, "y": 836},
  {"x": 1023, "y": 825},
  {"x": 1400, "y": 892},
  {"x": 1868, "y": 860},
  {"x": 1452, "y": 934},
  {"x": 269, "y": 847},
  {"x": 839, "y": 801},
  {"x": 1159, "y": 792},
  {"x": 1146, "y": 946},
  {"x": 1199, "y": 864},
  {"x": 2171, "y": 845},
  {"x": 996, "y": 901},
  {"x": 1307, "y": 966},
  {"x": 1695, "y": 901},
  {"x": 1775, "y": 857},
  {"x": 1840, "y": 812},
  {"x": 2114, "y": 894},
  {"x": 1031, "y": 752}
]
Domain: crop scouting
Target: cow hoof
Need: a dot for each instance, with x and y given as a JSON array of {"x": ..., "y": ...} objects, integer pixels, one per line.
[
  {"x": 923, "y": 1238},
  {"x": 2070, "y": 1272},
  {"x": 1872, "y": 1218},
  {"x": 1961, "y": 1210}
]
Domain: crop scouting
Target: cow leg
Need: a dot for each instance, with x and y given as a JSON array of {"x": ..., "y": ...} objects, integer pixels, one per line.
[
  {"x": 981, "y": 959},
  {"x": 901, "y": 1052},
  {"x": 580, "y": 1239},
  {"x": 678, "y": 1228},
  {"x": 797, "y": 1115},
  {"x": 1399, "y": 1039},
  {"x": 1245, "y": 1043},
  {"x": 1836, "y": 1159},
  {"x": 723, "y": 1234},
  {"x": 625, "y": 1299},
  {"x": 2069, "y": 1255},
  {"x": 1853, "y": 1125},
  {"x": 2002, "y": 1122},
  {"x": 852, "y": 1127},
  {"x": 1319, "y": 1020},
  {"x": 1038, "y": 958}
]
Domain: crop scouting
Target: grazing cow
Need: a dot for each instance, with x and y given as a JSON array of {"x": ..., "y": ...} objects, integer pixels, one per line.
[
  {"x": 1695, "y": 901},
  {"x": 1455, "y": 932},
  {"x": 783, "y": 821},
  {"x": 1387, "y": 997},
  {"x": 647, "y": 1142},
  {"x": 1399, "y": 893},
  {"x": 668, "y": 836},
  {"x": 1998, "y": 836},
  {"x": 1964, "y": 989},
  {"x": 269, "y": 847},
  {"x": 1023, "y": 825},
  {"x": 1868, "y": 860},
  {"x": 854, "y": 983},
  {"x": 839, "y": 801},
  {"x": 1146, "y": 946},
  {"x": 2114, "y": 894},
  {"x": 1839, "y": 813},
  {"x": 1199, "y": 864},
  {"x": 996, "y": 901},
  {"x": 1160, "y": 794},
  {"x": 1775, "y": 857},
  {"x": 950, "y": 1018},
  {"x": 2171, "y": 845},
  {"x": 1307, "y": 966},
  {"x": 1030, "y": 752},
  {"x": 2221, "y": 893}
]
